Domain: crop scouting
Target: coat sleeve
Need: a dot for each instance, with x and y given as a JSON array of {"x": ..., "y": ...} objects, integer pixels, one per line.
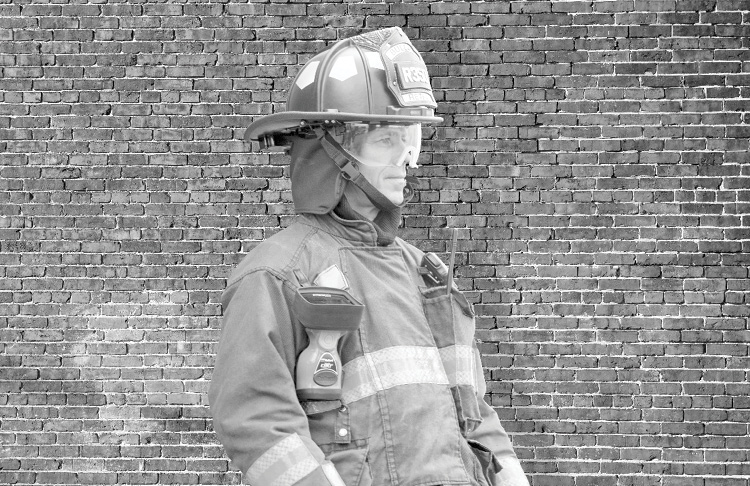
[
  {"x": 492, "y": 435},
  {"x": 256, "y": 414}
]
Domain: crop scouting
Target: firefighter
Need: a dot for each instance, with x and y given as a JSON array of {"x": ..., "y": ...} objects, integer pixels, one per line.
[{"x": 410, "y": 407}]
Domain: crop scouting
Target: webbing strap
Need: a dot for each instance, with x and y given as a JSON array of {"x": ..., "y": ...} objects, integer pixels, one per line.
[
  {"x": 343, "y": 159},
  {"x": 408, "y": 365},
  {"x": 283, "y": 464}
]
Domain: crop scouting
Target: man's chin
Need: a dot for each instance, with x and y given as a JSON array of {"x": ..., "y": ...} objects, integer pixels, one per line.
[
  {"x": 396, "y": 198},
  {"x": 393, "y": 189}
]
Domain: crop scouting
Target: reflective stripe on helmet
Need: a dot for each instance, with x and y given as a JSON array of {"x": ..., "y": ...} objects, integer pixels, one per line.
[
  {"x": 408, "y": 365},
  {"x": 283, "y": 464}
]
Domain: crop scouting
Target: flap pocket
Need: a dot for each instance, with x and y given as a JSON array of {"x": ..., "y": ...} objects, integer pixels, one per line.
[
  {"x": 452, "y": 325},
  {"x": 467, "y": 408},
  {"x": 451, "y": 317},
  {"x": 351, "y": 463},
  {"x": 329, "y": 421},
  {"x": 434, "y": 294},
  {"x": 487, "y": 461}
]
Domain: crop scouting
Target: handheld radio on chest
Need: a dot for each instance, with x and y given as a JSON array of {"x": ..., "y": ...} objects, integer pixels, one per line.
[{"x": 327, "y": 314}]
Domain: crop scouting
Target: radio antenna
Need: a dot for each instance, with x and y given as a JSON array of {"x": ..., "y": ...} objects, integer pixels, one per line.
[{"x": 449, "y": 285}]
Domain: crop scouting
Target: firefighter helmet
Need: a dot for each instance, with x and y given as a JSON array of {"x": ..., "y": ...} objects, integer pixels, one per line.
[
  {"x": 365, "y": 91},
  {"x": 374, "y": 77}
]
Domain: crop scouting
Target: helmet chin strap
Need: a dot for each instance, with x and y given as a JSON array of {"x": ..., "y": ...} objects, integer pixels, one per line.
[{"x": 347, "y": 162}]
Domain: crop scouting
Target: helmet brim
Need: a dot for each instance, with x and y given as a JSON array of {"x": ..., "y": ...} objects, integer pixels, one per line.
[{"x": 287, "y": 121}]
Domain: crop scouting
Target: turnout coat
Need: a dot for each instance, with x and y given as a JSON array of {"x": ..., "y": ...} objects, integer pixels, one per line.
[{"x": 412, "y": 411}]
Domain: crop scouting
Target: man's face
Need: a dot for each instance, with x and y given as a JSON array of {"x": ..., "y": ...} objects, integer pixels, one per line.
[
  {"x": 384, "y": 152},
  {"x": 389, "y": 180}
]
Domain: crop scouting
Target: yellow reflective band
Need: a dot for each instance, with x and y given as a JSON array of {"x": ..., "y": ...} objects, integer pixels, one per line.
[
  {"x": 283, "y": 464},
  {"x": 390, "y": 367},
  {"x": 461, "y": 365}
]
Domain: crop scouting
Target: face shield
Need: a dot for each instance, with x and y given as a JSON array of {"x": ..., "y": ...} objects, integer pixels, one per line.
[{"x": 383, "y": 144}]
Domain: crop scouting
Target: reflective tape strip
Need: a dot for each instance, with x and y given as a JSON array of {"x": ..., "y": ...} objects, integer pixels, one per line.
[
  {"x": 332, "y": 474},
  {"x": 390, "y": 367},
  {"x": 461, "y": 365},
  {"x": 283, "y": 464}
]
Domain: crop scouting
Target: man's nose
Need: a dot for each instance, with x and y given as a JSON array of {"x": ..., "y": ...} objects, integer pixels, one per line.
[{"x": 408, "y": 155}]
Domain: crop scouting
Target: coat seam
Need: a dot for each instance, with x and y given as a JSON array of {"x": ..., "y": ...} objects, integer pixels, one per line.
[{"x": 280, "y": 274}]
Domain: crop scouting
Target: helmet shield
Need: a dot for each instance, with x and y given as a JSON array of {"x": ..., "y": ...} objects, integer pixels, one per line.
[{"x": 377, "y": 144}]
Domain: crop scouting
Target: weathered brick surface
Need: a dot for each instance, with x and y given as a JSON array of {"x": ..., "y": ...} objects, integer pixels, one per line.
[{"x": 593, "y": 154}]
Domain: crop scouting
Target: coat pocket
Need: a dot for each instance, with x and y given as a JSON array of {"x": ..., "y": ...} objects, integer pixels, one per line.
[
  {"x": 329, "y": 421},
  {"x": 451, "y": 321},
  {"x": 451, "y": 317},
  {"x": 351, "y": 462},
  {"x": 488, "y": 464}
]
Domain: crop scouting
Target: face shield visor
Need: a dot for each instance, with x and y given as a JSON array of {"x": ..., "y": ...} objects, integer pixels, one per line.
[{"x": 383, "y": 144}]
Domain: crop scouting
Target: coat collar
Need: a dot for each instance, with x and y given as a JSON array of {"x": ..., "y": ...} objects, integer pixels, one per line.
[{"x": 355, "y": 231}]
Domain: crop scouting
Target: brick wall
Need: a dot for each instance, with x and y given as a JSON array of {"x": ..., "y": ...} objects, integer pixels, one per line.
[{"x": 593, "y": 155}]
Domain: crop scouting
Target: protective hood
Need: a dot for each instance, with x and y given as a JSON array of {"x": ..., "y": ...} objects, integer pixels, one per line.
[
  {"x": 318, "y": 188},
  {"x": 317, "y": 182}
]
